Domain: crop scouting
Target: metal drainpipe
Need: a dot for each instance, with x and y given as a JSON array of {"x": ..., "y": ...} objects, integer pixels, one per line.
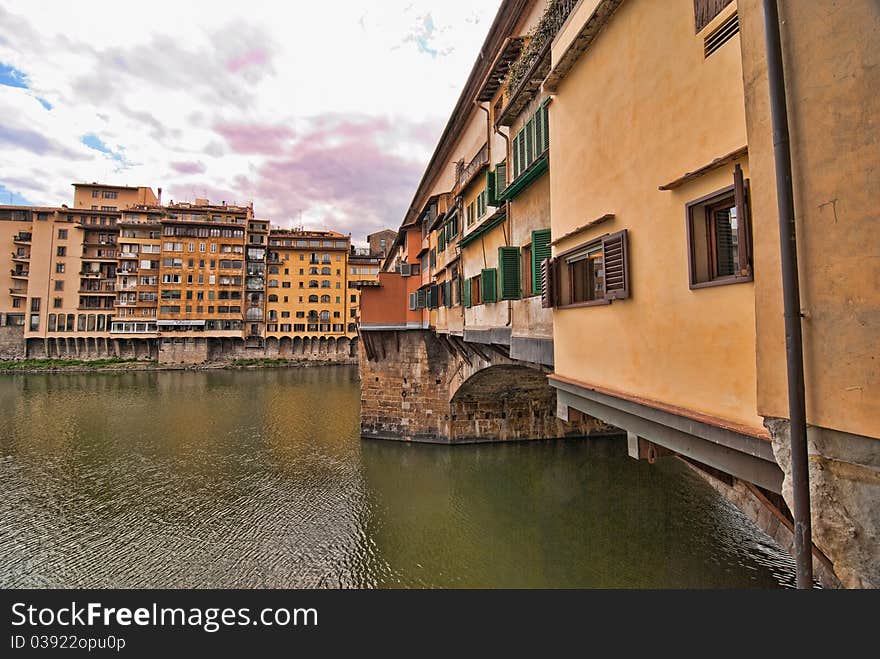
[{"x": 794, "y": 357}]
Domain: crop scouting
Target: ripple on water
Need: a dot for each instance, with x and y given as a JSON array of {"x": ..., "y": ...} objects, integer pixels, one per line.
[{"x": 259, "y": 479}]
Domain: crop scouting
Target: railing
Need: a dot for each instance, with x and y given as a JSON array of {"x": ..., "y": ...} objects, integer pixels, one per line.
[
  {"x": 20, "y": 273},
  {"x": 20, "y": 257},
  {"x": 548, "y": 25},
  {"x": 463, "y": 173},
  {"x": 18, "y": 291},
  {"x": 22, "y": 237},
  {"x": 104, "y": 288},
  {"x": 90, "y": 273}
]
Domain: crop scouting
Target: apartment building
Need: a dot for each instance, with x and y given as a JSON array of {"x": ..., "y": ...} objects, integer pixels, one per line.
[
  {"x": 186, "y": 282},
  {"x": 307, "y": 285}
]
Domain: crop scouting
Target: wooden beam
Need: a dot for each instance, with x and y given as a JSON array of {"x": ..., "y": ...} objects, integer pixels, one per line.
[{"x": 715, "y": 164}]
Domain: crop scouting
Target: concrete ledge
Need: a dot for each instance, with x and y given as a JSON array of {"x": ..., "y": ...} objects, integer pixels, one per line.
[
  {"x": 536, "y": 351},
  {"x": 742, "y": 456},
  {"x": 497, "y": 335}
]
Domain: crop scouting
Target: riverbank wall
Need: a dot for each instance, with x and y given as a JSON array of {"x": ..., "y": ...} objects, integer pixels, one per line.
[{"x": 182, "y": 350}]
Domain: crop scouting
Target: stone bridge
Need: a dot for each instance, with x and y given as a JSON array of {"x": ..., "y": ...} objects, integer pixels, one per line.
[{"x": 423, "y": 386}]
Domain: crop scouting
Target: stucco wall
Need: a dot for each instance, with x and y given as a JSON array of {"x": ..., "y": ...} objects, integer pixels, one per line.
[
  {"x": 833, "y": 106},
  {"x": 632, "y": 115}
]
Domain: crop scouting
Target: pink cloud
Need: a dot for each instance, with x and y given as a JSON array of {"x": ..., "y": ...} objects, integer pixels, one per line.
[
  {"x": 188, "y": 167},
  {"x": 255, "y": 57},
  {"x": 254, "y": 138}
]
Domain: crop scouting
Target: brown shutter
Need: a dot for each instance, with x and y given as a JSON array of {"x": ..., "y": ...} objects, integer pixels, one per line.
[
  {"x": 743, "y": 238},
  {"x": 614, "y": 249},
  {"x": 548, "y": 281}
]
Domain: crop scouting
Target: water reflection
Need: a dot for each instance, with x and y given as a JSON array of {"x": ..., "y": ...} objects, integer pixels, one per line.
[{"x": 259, "y": 479}]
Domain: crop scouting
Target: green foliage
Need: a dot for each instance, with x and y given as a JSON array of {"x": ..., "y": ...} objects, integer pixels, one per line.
[
  {"x": 29, "y": 364},
  {"x": 542, "y": 33}
]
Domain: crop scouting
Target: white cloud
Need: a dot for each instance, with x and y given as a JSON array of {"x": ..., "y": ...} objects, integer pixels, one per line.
[{"x": 180, "y": 88}]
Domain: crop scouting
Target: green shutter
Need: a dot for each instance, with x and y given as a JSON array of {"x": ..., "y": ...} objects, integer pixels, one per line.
[
  {"x": 441, "y": 240},
  {"x": 489, "y": 284},
  {"x": 466, "y": 293},
  {"x": 515, "y": 153},
  {"x": 530, "y": 141},
  {"x": 540, "y": 251},
  {"x": 447, "y": 293},
  {"x": 522, "y": 152},
  {"x": 545, "y": 116},
  {"x": 508, "y": 272},
  {"x": 500, "y": 180},
  {"x": 540, "y": 131},
  {"x": 490, "y": 186}
]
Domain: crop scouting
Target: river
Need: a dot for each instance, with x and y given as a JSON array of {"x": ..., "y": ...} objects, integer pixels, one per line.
[{"x": 258, "y": 478}]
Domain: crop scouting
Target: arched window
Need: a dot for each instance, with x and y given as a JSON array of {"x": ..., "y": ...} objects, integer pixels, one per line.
[
  {"x": 313, "y": 298},
  {"x": 313, "y": 271},
  {"x": 325, "y": 271},
  {"x": 313, "y": 283},
  {"x": 273, "y": 298},
  {"x": 325, "y": 298},
  {"x": 325, "y": 316}
]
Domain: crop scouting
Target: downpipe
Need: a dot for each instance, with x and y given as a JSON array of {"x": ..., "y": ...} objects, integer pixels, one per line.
[{"x": 794, "y": 353}]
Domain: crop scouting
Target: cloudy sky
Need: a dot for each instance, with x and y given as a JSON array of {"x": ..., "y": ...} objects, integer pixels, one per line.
[{"x": 321, "y": 113}]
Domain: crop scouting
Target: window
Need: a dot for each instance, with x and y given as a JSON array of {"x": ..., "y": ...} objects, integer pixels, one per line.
[
  {"x": 531, "y": 141},
  {"x": 509, "y": 273},
  {"x": 59, "y": 267},
  {"x": 95, "y": 194},
  {"x": 62, "y": 234},
  {"x": 35, "y": 322},
  {"x": 107, "y": 194},
  {"x": 57, "y": 303},
  {"x": 470, "y": 214},
  {"x": 59, "y": 285},
  {"x": 61, "y": 251},
  {"x": 718, "y": 235},
  {"x": 35, "y": 304},
  {"x": 594, "y": 273}
]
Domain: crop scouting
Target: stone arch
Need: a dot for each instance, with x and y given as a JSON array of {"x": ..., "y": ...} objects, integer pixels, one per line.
[
  {"x": 353, "y": 348},
  {"x": 322, "y": 345},
  {"x": 315, "y": 345},
  {"x": 507, "y": 401},
  {"x": 297, "y": 345},
  {"x": 272, "y": 346},
  {"x": 343, "y": 346},
  {"x": 285, "y": 346}
]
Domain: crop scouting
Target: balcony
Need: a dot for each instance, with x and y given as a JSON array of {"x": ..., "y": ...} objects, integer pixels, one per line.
[
  {"x": 273, "y": 259},
  {"x": 19, "y": 274},
  {"x": 108, "y": 255},
  {"x": 18, "y": 292},
  {"x": 17, "y": 256},
  {"x": 464, "y": 174},
  {"x": 254, "y": 313},
  {"x": 527, "y": 73},
  {"x": 92, "y": 274},
  {"x": 22, "y": 238},
  {"x": 102, "y": 289}
]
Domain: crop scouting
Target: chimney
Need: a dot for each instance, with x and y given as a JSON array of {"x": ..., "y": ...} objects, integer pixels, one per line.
[{"x": 160, "y": 196}]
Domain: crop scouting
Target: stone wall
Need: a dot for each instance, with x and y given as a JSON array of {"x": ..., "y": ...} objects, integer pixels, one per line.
[
  {"x": 11, "y": 342},
  {"x": 420, "y": 386},
  {"x": 844, "y": 497}
]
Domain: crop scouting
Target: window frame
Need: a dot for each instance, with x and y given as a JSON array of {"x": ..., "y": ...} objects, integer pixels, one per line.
[{"x": 714, "y": 199}]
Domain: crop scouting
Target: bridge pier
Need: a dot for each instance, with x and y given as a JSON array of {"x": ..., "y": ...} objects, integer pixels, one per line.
[{"x": 420, "y": 386}]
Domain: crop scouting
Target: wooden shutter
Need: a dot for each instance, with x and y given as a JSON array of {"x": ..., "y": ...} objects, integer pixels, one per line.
[
  {"x": 488, "y": 284},
  {"x": 548, "y": 283},
  {"x": 515, "y": 153},
  {"x": 522, "y": 152},
  {"x": 412, "y": 302},
  {"x": 614, "y": 249},
  {"x": 466, "y": 293},
  {"x": 441, "y": 239},
  {"x": 447, "y": 293},
  {"x": 491, "y": 192},
  {"x": 539, "y": 131},
  {"x": 530, "y": 141},
  {"x": 743, "y": 221},
  {"x": 500, "y": 179},
  {"x": 540, "y": 251},
  {"x": 706, "y": 10},
  {"x": 421, "y": 299},
  {"x": 508, "y": 273},
  {"x": 545, "y": 120}
]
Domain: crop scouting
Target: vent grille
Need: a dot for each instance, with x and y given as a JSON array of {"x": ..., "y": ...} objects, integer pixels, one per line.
[{"x": 722, "y": 34}]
